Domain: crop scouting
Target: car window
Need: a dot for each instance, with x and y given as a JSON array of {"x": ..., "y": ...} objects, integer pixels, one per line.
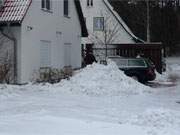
[
  {"x": 138, "y": 63},
  {"x": 120, "y": 62}
]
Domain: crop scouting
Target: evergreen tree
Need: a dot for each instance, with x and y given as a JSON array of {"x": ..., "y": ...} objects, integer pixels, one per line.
[{"x": 164, "y": 19}]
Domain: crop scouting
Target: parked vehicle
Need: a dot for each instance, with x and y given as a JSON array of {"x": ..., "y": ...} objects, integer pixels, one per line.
[{"x": 141, "y": 69}]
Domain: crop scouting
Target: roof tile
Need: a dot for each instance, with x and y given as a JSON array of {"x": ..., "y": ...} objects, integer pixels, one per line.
[{"x": 14, "y": 10}]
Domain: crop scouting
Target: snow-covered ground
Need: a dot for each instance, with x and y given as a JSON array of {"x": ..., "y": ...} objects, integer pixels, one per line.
[
  {"x": 98, "y": 100},
  {"x": 173, "y": 70}
]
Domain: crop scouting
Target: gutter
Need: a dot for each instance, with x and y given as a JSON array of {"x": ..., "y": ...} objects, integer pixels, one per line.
[
  {"x": 12, "y": 38},
  {"x": 136, "y": 39}
]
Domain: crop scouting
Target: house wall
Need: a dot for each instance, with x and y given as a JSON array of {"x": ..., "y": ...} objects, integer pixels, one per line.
[
  {"x": 52, "y": 26},
  {"x": 99, "y": 9}
]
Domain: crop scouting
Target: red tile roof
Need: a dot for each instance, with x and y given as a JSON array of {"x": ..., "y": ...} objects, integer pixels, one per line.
[{"x": 14, "y": 10}]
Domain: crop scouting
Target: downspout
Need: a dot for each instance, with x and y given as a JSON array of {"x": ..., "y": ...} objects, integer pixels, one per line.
[{"x": 12, "y": 38}]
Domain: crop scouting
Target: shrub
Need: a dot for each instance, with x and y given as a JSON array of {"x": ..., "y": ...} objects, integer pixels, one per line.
[
  {"x": 5, "y": 76},
  {"x": 54, "y": 75}
]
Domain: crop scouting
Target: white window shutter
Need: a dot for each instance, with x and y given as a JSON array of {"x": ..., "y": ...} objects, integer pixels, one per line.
[
  {"x": 45, "y": 54},
  {"x": 67, "y": 52}
]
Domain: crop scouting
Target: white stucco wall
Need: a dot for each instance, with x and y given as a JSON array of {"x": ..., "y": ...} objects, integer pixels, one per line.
[
  {"x": 53, "y": 27},
  {"x": 99, "y": 9},
  {"x": 72, "y": 34}
]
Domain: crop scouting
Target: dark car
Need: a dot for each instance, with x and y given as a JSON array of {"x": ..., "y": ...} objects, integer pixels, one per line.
[{"x": 141, "y": 69}]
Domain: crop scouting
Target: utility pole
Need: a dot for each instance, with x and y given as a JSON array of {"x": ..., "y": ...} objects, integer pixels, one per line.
[{"x": 148, "y": 22}]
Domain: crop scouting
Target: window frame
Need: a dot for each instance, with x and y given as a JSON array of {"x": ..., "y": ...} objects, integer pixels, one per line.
[
  {"x": 94, "y": 21},
  {"x": 48, "y": 44},
  {"x": 90, "y": 3},
  {"x": 67, "y": 54},
  {"x": 46, "y": 5},
  {"x": 66, "y": 8}
]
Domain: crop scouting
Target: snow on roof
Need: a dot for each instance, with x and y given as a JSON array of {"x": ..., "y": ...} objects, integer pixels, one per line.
[
  {"x": 120, "y": 20},
  {"x": 14, "y": 10}
]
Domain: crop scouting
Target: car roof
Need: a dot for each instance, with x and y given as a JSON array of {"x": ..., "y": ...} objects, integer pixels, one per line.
[{"x": 131, "y": 58}]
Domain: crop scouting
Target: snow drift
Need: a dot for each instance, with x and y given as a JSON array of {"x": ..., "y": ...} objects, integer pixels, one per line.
[{"x": 97, "y": 79}]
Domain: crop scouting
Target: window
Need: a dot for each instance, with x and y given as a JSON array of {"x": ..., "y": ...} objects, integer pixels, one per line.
[
  {"x": 45, "y": 54},
  {"x": 89, "y": 3},
  {"x": 66, "y": 7},
  {"x": 120, "y": 62},
  {"x": 67, "y": 54},
  {"x": 138, "y": 63},
  {"x": 46, "y": 4},
  {"x": 98, "y": 23}
]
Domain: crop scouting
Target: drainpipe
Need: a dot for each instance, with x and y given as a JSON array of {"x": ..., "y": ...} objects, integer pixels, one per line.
[{"x": 12, "y": 38}]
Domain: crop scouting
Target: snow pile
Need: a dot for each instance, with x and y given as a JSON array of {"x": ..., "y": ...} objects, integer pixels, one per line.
[
  {"x": 10, "y": 91},
  {"x": 173, "y": 68},
  {"x": 7, "y": 91},
  {"x": 172, "y": 73},
  {"x": 173, "y": 64},
  {"x": 156, "y": 120},
  {"x": 164, "y": 77},
  {"x": 97, "y": 79}
]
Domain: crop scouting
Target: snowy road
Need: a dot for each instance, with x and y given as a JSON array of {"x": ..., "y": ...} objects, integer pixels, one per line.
[
  {"x": 42, "y": 112},
  {"x": 72, "y": 108}
]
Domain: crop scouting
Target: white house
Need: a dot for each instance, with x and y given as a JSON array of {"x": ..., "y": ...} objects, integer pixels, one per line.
[
  {"x": 100, "y": 16},
  {"x": 42, "y": 33}
]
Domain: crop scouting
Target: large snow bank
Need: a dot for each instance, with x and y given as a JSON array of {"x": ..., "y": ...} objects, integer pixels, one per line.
[{"x": 97, "y": 79}]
